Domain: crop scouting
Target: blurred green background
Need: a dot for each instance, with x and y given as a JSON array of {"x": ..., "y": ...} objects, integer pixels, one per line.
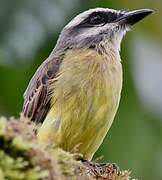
[{"x": 28, "y": 33}]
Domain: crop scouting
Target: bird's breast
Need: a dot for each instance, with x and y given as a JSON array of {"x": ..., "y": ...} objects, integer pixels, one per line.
[
  {"x": 87, "y": 78},
  {"x": 85, "y": 99}
]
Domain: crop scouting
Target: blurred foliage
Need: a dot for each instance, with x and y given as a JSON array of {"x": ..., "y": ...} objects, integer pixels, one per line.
[{"x": 29, "y": 30}]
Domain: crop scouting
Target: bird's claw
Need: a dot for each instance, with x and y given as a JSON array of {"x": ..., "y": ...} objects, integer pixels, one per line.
[{"x": 102, "y": 170}]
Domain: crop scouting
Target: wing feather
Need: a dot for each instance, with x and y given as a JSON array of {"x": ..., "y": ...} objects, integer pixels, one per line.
[{"x": 39, "y": 91}]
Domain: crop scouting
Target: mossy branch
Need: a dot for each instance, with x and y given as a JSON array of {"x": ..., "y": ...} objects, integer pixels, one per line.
[{"x": 23, "y": 158}]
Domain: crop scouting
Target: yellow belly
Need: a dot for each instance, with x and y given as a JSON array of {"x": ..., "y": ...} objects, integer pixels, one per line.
[{"x": 85, "y": 100}]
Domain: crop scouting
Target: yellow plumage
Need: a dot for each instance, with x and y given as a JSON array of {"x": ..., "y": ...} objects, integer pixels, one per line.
[
  {"x": 75, "y": 93},
  {"x": 85, "y": 100}
]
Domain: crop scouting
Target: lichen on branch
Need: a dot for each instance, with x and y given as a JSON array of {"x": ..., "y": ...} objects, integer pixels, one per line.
[{"x": 22, "y": 157}]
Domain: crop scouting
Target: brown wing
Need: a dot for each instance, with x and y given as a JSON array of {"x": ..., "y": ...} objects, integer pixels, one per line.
[{"x": 38, "y": 93}]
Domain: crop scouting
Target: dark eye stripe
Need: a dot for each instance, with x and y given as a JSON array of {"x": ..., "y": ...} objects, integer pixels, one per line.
[
  {"x": 111, "y": 17},
  {"x": 97, "y": 18}
]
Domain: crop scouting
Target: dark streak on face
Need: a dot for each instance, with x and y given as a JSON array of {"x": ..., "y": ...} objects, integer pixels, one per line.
[{"x": 99, "y": 18}]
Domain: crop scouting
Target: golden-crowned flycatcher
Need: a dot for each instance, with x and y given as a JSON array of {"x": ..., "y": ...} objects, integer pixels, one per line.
[{"x": 76, "y": 91}]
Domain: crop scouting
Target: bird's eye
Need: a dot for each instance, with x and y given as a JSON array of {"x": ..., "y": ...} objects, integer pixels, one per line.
[{"x": 96, "y": 19}]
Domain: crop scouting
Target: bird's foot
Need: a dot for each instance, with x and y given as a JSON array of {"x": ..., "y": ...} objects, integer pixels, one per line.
[{"x": 109, "y": 171}]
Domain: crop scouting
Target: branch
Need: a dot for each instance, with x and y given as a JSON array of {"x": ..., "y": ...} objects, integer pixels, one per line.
[{"x": 23, "y": 158}]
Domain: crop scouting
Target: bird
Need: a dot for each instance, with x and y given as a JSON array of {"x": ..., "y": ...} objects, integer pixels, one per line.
[{"x": 75, "y": 93}]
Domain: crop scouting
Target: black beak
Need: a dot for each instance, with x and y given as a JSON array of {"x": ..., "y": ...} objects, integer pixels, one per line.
[{"x": 132, "y": 17}]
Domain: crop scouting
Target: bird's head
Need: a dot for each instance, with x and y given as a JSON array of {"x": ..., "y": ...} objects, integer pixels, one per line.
[{"x": 99, "y": 25}]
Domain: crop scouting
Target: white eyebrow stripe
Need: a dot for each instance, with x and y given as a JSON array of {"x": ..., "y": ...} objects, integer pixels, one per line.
[{"x": 79, "y": 18}]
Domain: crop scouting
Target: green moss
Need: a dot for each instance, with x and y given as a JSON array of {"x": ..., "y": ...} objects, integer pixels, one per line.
[{"x": 23, "y": 158}]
